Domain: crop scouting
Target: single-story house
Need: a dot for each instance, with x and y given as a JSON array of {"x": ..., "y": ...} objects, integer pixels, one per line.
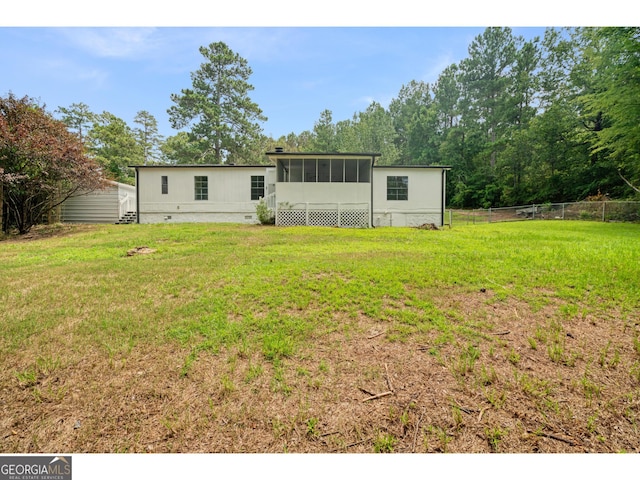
[
  {"x": 114, "y": 204},
  {"x": 324, "y": 189}
]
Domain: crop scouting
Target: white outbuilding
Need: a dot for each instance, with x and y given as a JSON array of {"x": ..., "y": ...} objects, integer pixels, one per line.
[
  {"x": 114, "y": 204},
  {"x": 324, "y": 189}
]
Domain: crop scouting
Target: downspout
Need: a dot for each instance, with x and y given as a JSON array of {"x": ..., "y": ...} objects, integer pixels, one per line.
[
  {"x": 137, "y": 197},
  {"x": 373, "y": 159},
  {"x": 443, "y": 186}
]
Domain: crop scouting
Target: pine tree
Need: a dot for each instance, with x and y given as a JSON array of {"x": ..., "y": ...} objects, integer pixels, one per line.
[{"x": 222, "y": 118}]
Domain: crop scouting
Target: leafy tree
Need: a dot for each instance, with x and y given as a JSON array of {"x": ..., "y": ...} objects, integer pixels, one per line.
[
  {"x": 486, "y": 80},
  {"x": 42, "y": 164},
  {"x": 114, "y": 145},
  {"x": 425, "y": 138},
  {"x": 453, "y": 149},
  {"x": 523, "y": 88},
  {"x": 615, "y": 54},
  {"x": 551, "y": 119},
  {"x": 256, "y": 152},
  {"x": 460, "y": 141},
  {"x": 182, "y": 148},
  {"x": 293, "y": 143},
  {"x": 559, "y": 156},
  {"x": 324, "y": 134},
  {"x": 376, "y": 132},
  {"x": 558, "y": 57},
  {"x": 368, "y": 131},
  {"x": 446, "y": 98},
  {"x": 347, "y": 136},
  {"x": 78, "y": 117},
  {"x": 222, "y": 117},
  {"x": 518, "y": 151},
  {"x": 408, "y": 111},
  {"x": 147, "y": 135}
]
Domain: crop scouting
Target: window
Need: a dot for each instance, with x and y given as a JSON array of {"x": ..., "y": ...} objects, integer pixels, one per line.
[
  {"x": 324, "y": 170},
  {"x": 310, "y": 172},
  {"x": 337, "y": 170},
  {"x": 364, "y": 171},
  {"x": 283, "y": 170},
  {"x": 165, "y": 184},
  {"x": 257, "y": 187},
  {"x": 350, "y": 171},
  {"x": 295, "y": 167},
  {"x": 397, "y": 188},
  {"x": 202, "y": 187}
]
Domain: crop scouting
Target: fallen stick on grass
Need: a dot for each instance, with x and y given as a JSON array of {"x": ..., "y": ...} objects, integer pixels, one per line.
[
  {"x": 352, "y": 444},
  {"x": 554, "y": 437},
  {"x": 375, "y": 335},
  {"x": 415, "y": 436},
  {"x": 380, "y": 395},
  {"x": 386, "y": 369},
  {"x": 482, "y": 413}
]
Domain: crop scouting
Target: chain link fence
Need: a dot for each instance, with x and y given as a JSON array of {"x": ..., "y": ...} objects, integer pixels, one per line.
[{"x": 599, "y": 211}]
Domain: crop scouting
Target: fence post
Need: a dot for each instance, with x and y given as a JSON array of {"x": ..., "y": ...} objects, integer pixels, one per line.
[
  {"x": 563, "y": 211},
  {"x": 489, "y": 214},
  {"x": 604, "y": 204},
  {"x": 533, "y": 211}
]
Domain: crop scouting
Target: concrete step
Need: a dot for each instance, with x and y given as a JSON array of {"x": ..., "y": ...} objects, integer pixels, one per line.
[{"x": 127, "y": 218}]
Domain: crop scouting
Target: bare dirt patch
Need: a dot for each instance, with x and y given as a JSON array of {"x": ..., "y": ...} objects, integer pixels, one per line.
[
  {"x": 39, "y": 232},
  {"x": 140, "y": 251},
  {"x": 529, "y": 381}
]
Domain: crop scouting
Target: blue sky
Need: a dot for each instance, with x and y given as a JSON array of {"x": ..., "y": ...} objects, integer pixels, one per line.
[
  {"x": 299, "y": 69},
  {"x": 297, "y": 72}
]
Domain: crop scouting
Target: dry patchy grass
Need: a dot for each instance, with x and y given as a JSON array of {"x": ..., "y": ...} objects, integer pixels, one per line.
[{"x": 501, "y": 374}]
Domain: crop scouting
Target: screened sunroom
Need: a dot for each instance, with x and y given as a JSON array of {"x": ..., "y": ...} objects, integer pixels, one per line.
[{"x": 325, "y": 189}]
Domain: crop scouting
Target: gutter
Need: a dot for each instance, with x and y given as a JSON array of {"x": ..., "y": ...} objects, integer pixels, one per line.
[{"x": 137, "y": 197}]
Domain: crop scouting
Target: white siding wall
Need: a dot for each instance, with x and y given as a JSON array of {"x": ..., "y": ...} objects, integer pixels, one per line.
[
  {"x": 229, "y": 194},
  {"x": 424, "y": 202},
  {"x": 126, "y": 198},
  {"x": 229, "y": 198},
  {"x": 96, "y": 207},
  {"x": 323, "y": 192}
]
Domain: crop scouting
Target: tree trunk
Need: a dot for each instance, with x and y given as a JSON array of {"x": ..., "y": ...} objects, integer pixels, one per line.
[{"x": 2, "y": 226}]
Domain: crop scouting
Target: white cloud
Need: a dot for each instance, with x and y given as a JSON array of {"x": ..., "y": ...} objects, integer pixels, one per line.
[
  {"x": 111, "y": 42},
  {"x": 72, "y": 73},
  {"x": 256, "y": 45}
]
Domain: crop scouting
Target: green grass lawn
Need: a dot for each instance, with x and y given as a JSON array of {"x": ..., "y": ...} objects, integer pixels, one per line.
[{"x": 270, "y": 297}]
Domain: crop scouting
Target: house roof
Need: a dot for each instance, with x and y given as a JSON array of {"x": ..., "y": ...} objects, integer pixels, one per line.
[
  {"x": 444, "y": 167},
  {"x": 292, "y": 154},
  {"x": 322, "y": 154},
  {"x": 203, "y": 165}
]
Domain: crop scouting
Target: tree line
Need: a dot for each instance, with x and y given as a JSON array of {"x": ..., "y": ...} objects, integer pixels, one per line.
[{"x": 550, "y": 119}]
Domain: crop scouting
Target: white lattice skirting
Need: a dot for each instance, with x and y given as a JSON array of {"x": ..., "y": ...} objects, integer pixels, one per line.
[{"x": 324, "y": 218}]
